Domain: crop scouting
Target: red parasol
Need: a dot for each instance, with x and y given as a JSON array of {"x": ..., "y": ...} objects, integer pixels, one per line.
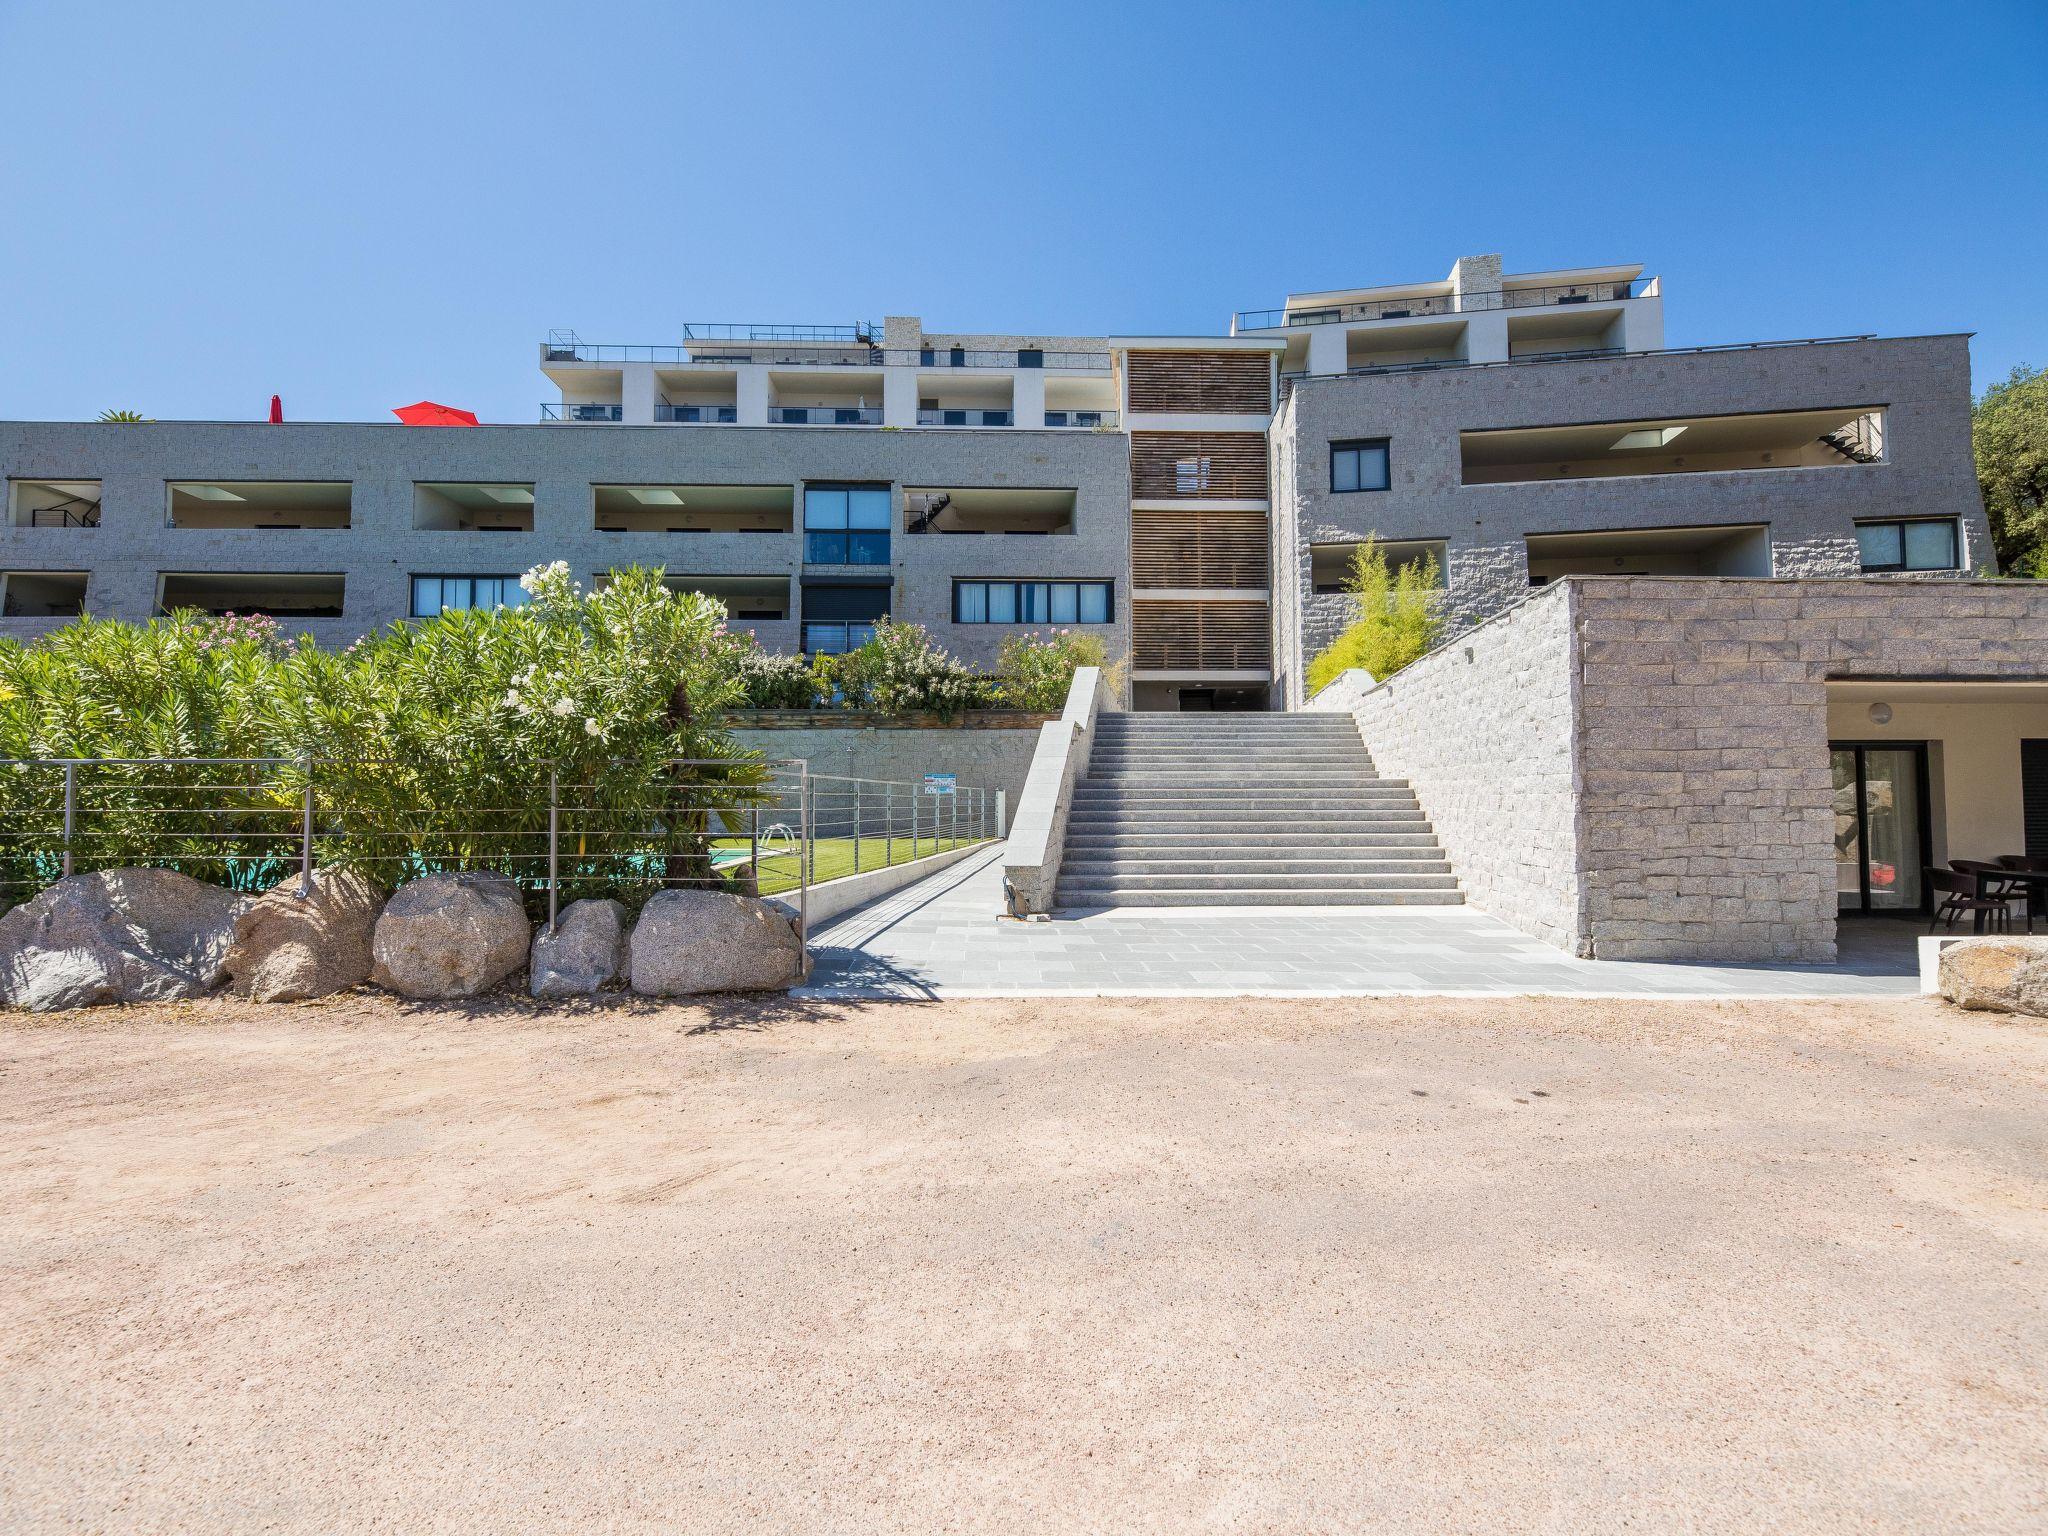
[
  {"x": 428, "y": 414},
  {"x": 276, "y": 411}
]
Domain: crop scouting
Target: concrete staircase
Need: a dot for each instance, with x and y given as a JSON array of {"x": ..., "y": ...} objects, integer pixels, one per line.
[{"x": 1244, "y": 810}]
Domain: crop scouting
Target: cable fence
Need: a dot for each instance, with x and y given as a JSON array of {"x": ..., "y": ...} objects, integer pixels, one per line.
[{"x": 624, "y": 829}]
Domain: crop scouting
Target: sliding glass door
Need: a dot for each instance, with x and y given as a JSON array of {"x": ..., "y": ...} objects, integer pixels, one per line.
[{"x": 1880, "y": 825}]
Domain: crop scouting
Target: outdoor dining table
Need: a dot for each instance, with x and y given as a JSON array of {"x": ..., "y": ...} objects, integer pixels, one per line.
[{"x": 2035, "y": 880}]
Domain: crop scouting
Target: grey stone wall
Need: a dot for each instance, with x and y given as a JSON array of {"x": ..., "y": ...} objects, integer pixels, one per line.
[
  {"x": 1708, "y": 809},
  {"x": 1922, "y": 382},
  {"x": 1482, "y": 729},
  {"x": 381, "y": 549}
]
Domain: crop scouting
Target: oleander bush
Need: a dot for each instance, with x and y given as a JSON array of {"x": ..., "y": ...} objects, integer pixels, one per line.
[
  {"x": 429, "y": 744},
  {"x": 769, "y": 680},
  {"x": 902, "y": 671},
  {"x": 1033, "y": 672}
]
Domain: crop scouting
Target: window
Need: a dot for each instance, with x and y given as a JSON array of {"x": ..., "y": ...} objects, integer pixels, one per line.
[
  {"x": 846, "y": 524},
  {"x": 439, "y": 594},
  {"x": 1929, "y": 544},
  {"x": 1033, "y": 602},
  {"x": 1359, "y": 466},
  {"x": 1191, "y": 474}
]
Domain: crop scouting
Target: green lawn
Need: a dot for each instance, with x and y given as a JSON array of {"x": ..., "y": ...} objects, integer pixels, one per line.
[{"x": 832, "y": 857}]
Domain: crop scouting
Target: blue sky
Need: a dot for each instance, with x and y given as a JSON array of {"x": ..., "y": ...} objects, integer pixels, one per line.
[{"x": 360, "y": 205}]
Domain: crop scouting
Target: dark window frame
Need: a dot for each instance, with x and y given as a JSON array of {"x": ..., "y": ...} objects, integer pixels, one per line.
[
  {"x": 412, "y": 590},
  {"x": 847, "y": 544},
  {"x": 1905, "y": 567},
  {"x": 1339, "y": 446},
  {"x": 1018, "y": 583}
]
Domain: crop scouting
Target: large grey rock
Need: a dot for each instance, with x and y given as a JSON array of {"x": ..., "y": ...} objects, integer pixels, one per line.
[
  {"x": 289, "y": 947},
  {"x": 586, "y": 950},
  {"x": 2010, "y": 975},
  {"x": 712, "y": 941},
  {"x": 450, "y": 935},
  {"x": 117, "y": 936}
]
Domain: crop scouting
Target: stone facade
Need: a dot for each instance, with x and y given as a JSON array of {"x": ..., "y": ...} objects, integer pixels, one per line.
[
  {"x": 1482, "y": 729},
  {"x": 1922, "y": 383},
  {"x": 381, "y": 549},
  {"x": 1636, "y": 768}
]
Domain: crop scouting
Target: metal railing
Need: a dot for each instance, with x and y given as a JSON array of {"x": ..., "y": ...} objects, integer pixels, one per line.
[
  {"x": 697, "y": 414},
  {"x": 565, "y": 410},
  {"x": 972, "y": 357},
  {"x": 253, "y": 823},
  {"x": 825, "y": 415},
  {"x": 965, "y": 418},
  {"x": 1080, "y": 418},
  {"x": 1583, "y": 354},
  {"x": 1604, "y": 292},
  {"x": 70, "y": 514}
]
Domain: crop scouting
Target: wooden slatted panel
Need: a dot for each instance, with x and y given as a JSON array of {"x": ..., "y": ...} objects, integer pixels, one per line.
[
  {"x": 1198, "y": 549},
  {"x": 1200, "y": 466},
  {"x": 1191, "y": 637},
  {"x": 1238, "y": 383}
]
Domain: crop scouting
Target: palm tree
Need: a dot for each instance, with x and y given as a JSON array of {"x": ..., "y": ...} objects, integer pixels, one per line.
[{"x": 121, "y": 416}]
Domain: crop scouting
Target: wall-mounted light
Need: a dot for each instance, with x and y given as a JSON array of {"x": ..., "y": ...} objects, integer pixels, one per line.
[{"x": 1880, "y": 714}]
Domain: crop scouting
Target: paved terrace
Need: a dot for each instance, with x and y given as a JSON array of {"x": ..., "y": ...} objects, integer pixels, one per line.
[{"x": 943, "y": 937}]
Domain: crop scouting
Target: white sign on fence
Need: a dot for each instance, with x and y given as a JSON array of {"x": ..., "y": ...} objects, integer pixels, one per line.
[{"x": 940, "y": 783}]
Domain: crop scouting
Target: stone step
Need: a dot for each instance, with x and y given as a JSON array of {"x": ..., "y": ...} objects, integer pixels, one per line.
[
  {"x": 1290, "y": 831},
  {"x": 1195, "y": 783},
  {"x": 1391, "y": 880},
  {"x": 1285, "y": 866},
  {"x": 1300, "y": 895},
  {"x": 1086, "y": 842},
  {"x": 1225, "y": 778}
]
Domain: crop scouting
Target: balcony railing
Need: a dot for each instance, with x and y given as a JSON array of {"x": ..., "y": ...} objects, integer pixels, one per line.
[
  {"x": 832, "y": 638},
  {"x": 825, "y": 415},
  {"x": 697, "y": 415},
  {"x": 564, "y": 410},
  {"x": 1080, "y": 418},
  {"x": 957, "y": 418},
  {"x": 1448, "y": 304},
  {"x": 1582, "y": 354},
  {"x": 1027, "y": 357}
]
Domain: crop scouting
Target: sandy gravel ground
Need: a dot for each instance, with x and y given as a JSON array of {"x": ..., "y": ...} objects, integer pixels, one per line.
[{"x": 1042, "y": 1266}]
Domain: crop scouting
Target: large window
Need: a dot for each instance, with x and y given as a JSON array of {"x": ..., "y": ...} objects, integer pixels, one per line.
[
  {"x": 1927, "y": 544},
  {"x": 1033, "y": 602},
  {"x": 438, "y": 594},
  {"x": 1359, "y": 466},
  {"x": 846, "y": 524}
]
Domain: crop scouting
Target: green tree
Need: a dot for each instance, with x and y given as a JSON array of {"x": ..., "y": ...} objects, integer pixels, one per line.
[
  {"x": 2009, "y": 434},
  {"x": 1399, "y": 617},
  {"x": 121, "y": 416}
]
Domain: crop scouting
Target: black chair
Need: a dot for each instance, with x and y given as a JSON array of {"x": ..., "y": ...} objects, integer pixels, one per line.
[
  {"x": 1987, "y": 882},
  {"x": 1960, "y": 899}
]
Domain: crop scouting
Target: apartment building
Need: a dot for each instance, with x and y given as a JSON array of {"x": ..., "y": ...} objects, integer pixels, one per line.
[{"x": 1194, "y": 499}]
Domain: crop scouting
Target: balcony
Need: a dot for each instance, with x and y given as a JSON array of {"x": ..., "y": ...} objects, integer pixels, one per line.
[
  {"x": 470, "y": 508},
  {"x": 965, "y": 418},
  {"x": 1080, "y": 418},
  {"x": 698, "y": 415},
  {"x": 53, "y": 503},
  {"x": 693, "y": 508},
  {"x": 279, "y": 595},
  {"x": 1838, "y": 439},
  {"x": 714, "y": 341},
  {"x": 576, "y": 411},
  {"x": 981, "y": 509},
  {"x": 42, "y": 594},
  {"x": 825, "y": 415},
  {"x": 1412, "y": 306},
  {"x": 279, "y": 504}
]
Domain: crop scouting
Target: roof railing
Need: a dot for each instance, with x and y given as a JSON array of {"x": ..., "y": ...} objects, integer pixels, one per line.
[
  {"x": 1584, "y": 354},
  {"x": 1418, "y": 305}
]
